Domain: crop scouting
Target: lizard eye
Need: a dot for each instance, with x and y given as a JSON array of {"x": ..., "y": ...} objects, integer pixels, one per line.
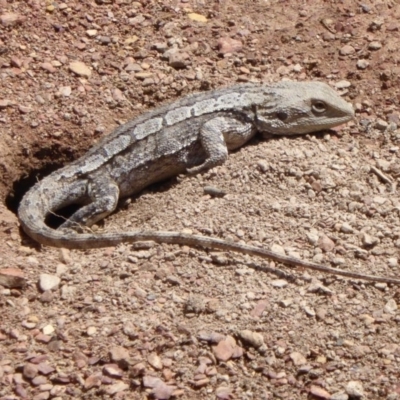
[
  {"x": 318, "y": 106},
  {"x": 281, "y": 115}
]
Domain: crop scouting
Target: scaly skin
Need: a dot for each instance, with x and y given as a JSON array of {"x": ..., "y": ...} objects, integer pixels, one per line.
[{"x": 190, "y": 135}]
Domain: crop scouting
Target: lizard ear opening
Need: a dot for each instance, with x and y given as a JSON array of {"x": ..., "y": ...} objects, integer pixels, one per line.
[{"x": 282, "y": 115}]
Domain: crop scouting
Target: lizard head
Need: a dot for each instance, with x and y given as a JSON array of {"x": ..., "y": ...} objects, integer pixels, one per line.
[{"x": 302, "y": 107}]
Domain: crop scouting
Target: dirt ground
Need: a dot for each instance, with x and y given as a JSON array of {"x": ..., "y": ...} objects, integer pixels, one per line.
[{"x": 176, "y": 322}]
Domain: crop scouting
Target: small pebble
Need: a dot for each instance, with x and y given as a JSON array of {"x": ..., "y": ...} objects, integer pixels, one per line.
[
  {"x": 48, "y": 282},
  {"x": 347, "y": 50},
  {"x": 355, "y": 389},
  {"x": 362, "y": 64},
  {"x": 374, "y": 46}
]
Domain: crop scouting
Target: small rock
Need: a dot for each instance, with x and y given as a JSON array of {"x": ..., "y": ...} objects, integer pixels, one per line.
[
  {"x": 12, "y": 277},
  {"x": 346, "y": 228},
  {"x": 259, "y": 308},
  {"x": 347, "y": 50},
  {"x": 151, "y": 381},
  {"x": 253, "y": 338},
  {"x": 381, "y": 125},
  {"x": 160, "y": 47},
  {"x": 39, "y": 380},
  {"x": 228, "y": 45},
  {"x": 309, "y": 311},
  {"x": 211, "y": 337},
  {"x": 117, "y": 387},
  {"x": 178, "y": 60},
  {"x": 393, "y": 262},
  {"x": 298, "y": 358},
  {"x": 137, "y": 370},
  {"x": 113, "y": 370},
  {"x": 91, "y": 330},
  {"x": 81, "y": 360},
  {"x": 368, "y": 240},
  {"x": 321, "y": 313},
  {"x": 328, "y": 37},
  {"x": 276, "y": 248},
  {"x": 286, "y": 302},
  {"x": 65, "y": 91},
  {"x": 214, "y": 191},
  {"x": 381, "y": 285},
  {"x": 380, "y": 200},
  {"x": 4, "y": 103},
  {"x": 11, "y": 19},
  {"x": 195, "y": 304},
  {"x": 201, "y": 383},
  {"x": 67, "y": 292},
  {"x": 48, "y": 329},
  {"x": 143, "y": 75},
  {"x": 16, "y": 62},
  {"x": 46, "y": 297},
  {"x": 339, "y": 396},
  {"x": 92, "y": 381},
  {"x": 312, "y": 236},
  {"x": 394, "y": 118},
  {"x": 18, "y": 378},
  {"x": 283, "y": 70},
  {"x": 155, "y": 361},
  {"x": 280, "y": 283},
  {"x": 367, "y": 319},
  {"x": 104, "y": 40},
  {"x": 391, "y": 307},
  {"x": 355, "y": 389},
  {"x": 297, "y": 68},
  {"x": 326, "y": 244},
  {"x": 118, "y": 96},
  {"x": 30, "y": 371},
  {"x": 91, "y": 32},
  {"x": 148, "y": 82},
  {"x": 362, "y": 64},
  {"x": 48, "y": 67},
  {"x": 119, "y": 355},
  {"x": 162, "y": 391},
  {"x": 374, "y": 46},
  {"x": 24, "y": 109},
  {"x": 342, "y": 85},
  {"x": 48, "y": 282},
  {"x": 45, "y": 369},
  {"x": 197, "y": 17},
  {"x": 28, "y": 325},
  {"x": 21, "y": 392},
  {"x": 224, "y": 350},
  {"x": 319, "y": 392},
  {"x": 132, "y": 67},
  {"x": 223, "y": 393},
  {"x": 131, "y": 39},
  {"x": 42, "y": 338},
  {"x": 263, "y": 165},
  {"x": 81, "y": 69},
  {"x": 137, "y": 20}
]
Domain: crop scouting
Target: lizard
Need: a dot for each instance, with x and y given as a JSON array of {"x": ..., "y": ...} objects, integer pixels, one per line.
[{"x": 193, "y": 134}]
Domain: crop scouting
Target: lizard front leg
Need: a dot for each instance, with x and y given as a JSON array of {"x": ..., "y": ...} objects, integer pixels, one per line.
[
  {"x": 104, "y": 193},
  {"x": 220, "y": 134}
]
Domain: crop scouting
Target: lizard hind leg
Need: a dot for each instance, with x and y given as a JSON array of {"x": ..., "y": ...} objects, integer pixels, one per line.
[{"x": 104, "y": 196}]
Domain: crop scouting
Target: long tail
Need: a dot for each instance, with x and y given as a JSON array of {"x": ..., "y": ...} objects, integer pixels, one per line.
[{"x": 33, "y": 223}]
